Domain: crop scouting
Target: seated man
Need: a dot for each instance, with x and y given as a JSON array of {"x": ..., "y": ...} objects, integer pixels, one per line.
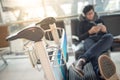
[{"x": 96, "y": 40}]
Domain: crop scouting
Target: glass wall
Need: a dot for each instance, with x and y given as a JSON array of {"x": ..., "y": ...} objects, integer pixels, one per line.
[{"x": 32, "y": 9}]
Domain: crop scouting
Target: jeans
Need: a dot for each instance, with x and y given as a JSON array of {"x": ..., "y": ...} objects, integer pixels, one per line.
[{"x": 94, "y": 47}]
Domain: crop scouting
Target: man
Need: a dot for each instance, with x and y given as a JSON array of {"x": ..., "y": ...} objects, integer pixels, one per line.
[{"x": 96, "y": 40}]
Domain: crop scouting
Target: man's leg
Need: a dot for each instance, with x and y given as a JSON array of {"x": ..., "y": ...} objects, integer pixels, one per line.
[
  {"x": 100, "y": 46},
  {"x": 87, "y": 44},
  {"x": 94, "y": 62},
  {"x": 96, "y": 50}
]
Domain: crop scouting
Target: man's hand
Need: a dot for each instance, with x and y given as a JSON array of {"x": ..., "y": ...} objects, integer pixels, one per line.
[
  {"x": 94, "y": 29},
  {"x": 103, "y": 28}
]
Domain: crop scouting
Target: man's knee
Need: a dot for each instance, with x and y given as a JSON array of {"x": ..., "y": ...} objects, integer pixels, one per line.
[
  {"x": 88, "y": 43},
  {"x": 108, "y": 37}
]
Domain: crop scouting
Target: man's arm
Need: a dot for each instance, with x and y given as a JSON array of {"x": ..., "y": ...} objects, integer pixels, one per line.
[
  {"x": 85, "y": 31},
  {"x": 82, "y": 34},
  {"x": 102, "y": 25}
]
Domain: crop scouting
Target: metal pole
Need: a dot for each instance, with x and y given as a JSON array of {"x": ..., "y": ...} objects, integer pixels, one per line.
[{"x": 44, "y": 58}]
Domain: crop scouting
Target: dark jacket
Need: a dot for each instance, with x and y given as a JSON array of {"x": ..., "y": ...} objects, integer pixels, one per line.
[{"x": 85, "y": 26}]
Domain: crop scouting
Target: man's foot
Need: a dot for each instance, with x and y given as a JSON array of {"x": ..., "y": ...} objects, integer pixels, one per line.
[
  {"x": 80, "y": 64},
  {"x": 78, "y": 68},
  {"x": 79, "y": 72},
  {"x": 107, "y": 68}
]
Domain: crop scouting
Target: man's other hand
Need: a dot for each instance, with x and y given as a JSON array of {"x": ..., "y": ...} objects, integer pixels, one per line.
[
  {"x": 94, "y": 29},
  {"x": 103, "y": 28}
]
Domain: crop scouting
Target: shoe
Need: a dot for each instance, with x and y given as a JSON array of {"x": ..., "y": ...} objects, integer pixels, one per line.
[
  {"x": 107, "y": 68},
  {"x": 80, "y": 65},
  {"x": 78, "y": 68}
]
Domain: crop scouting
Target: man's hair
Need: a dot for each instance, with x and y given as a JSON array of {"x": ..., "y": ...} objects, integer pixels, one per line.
[{"x": 87, "y": 9}]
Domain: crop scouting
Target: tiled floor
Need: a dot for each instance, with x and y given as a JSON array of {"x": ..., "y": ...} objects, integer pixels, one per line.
[
  {"x": 21, "y": 69},
  {"x": 116, "y": 59}
]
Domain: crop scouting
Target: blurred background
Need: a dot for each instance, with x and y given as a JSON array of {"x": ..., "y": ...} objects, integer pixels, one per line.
[{"x": 18, "y": 14}]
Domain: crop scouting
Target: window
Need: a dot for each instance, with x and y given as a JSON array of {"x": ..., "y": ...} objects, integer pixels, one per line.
[{"x": 30, "y": 9}]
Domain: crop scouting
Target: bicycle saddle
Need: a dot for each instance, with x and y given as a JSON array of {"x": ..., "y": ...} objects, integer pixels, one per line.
[
  {"x": 45, "y": 22},
  {"x": 31, "y": 33}
]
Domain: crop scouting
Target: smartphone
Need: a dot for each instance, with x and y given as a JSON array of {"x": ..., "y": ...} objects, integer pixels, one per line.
[{"x": 99, "y": 24}]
